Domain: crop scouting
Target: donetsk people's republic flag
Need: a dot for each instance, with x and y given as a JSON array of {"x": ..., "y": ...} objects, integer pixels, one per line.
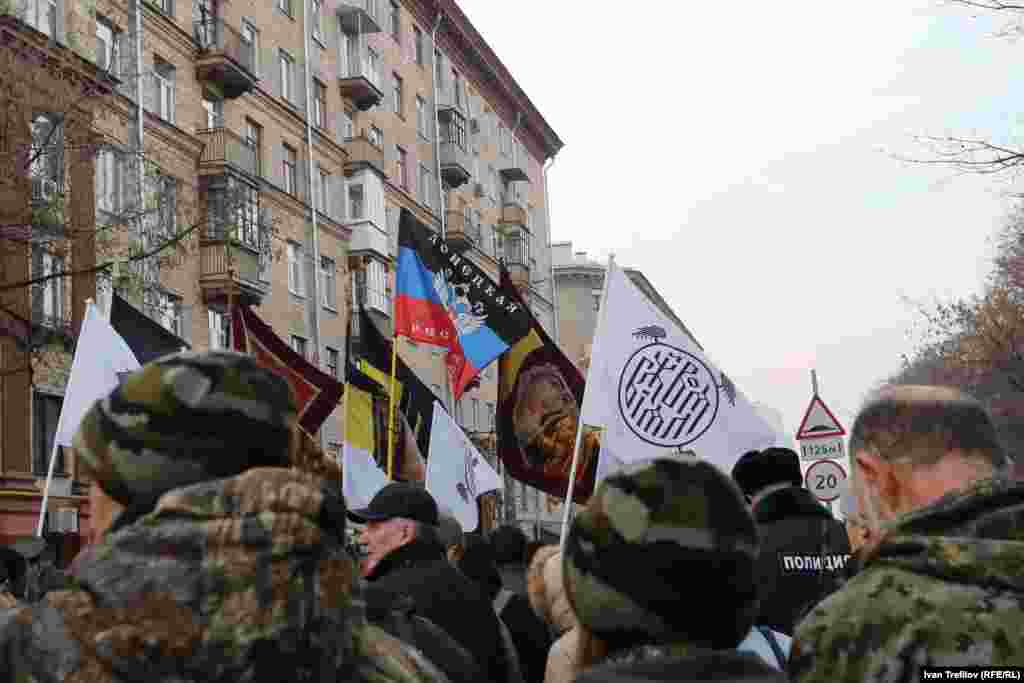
[{"x": 443, "y": 298}]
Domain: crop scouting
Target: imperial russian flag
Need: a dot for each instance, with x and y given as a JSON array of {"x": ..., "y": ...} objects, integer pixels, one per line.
[{"x": 445, "y": 299}]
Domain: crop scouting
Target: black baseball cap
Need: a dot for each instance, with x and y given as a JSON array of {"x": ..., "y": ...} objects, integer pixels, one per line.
[{"x": 399, "y": 499}]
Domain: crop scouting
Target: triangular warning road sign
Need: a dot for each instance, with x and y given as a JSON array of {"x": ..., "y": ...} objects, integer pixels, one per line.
[{"x": 819, "y": 421}]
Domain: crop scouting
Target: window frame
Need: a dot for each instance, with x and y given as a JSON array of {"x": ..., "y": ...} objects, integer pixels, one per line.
[
  {"x": 395, "y": 20},
  {"x": 286, "y": 65},
  {"x": 319, "y": 104},
  {"x": 113, "y": 52},
  {"x": 296, "y": 272},
  {"x": 403, "y": 166},
  {"x": 398, "y": 95},
  {"x": 290, "y": 164},
  {"x": 418, "y": 40},
  {"x": 329, "y": 283},
  {"x": 299, "y": 345}
]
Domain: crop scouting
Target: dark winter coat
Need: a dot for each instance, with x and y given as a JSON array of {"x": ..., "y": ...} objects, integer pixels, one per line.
[
  {"x": 681, "y": 664},
  {"x": 440, "y": 592},
  {"x": 804, "y": 553}
]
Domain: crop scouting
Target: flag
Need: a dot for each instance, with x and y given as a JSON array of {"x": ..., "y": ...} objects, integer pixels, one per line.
[
  {"x": 415, "y": 399},
  {"x": 539, "y": 396},
  {"x": 447, "y": 300},
  {"x": 656, "y": 394},
  {"x": 410, "y": 463},
  {"x": 456, "y": 472},
  {"x": 100, "y": 356},
  {"x": 361, "y": 477},
  {"x": 147, "y": 339},
  {"x": 316, "y": 392}
]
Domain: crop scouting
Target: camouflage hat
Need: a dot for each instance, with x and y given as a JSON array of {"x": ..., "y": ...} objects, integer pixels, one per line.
[
  {"x": 186, "y": 418},
  {"x": 656, "y": 538}
]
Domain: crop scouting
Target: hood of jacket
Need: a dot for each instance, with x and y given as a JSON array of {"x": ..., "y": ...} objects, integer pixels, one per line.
[
  {"x": 793, "y": 501},
  {"x": 973, "y": 536},
  {"x": 223, "y": 580}
]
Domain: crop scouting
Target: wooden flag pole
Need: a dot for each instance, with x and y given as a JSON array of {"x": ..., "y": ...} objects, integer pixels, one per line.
[
  {"x": 391, "y": 409},
  {"x": 579, "y": 425}
]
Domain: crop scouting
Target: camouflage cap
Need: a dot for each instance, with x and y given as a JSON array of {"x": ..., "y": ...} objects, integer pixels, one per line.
[
  {"x": 183, "y": 419},
  {"x": 654, "y": 539}
]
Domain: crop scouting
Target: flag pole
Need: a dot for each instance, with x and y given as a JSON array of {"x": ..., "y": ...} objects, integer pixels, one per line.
[
  {"x": 579, "y": 425},
  {"x": 53, "y": 455},
  {"x": 391, "y": 409}
]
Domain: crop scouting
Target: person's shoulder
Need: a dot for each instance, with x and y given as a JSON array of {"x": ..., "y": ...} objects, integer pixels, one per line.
[{"x": 382, "y": 658}]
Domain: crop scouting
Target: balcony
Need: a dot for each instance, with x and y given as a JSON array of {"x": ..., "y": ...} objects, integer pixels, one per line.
[
  {"x": 356, "y": 17},
  {"x": 359, "y": 81},
  {"x": 225, "y": 61},
  {"x": 362, "y": 153},
  {"x": 513, "y": 171},
  {"x": 517, "y": 257},
  {"x": 460, "y": 232},
  {"x": 229, "y": 268},
  {"x": 513, "y": 211},
  {"x": 368, "y": 240},
  {"x": 226, "y": 150},
  {"x": 455, "y": 158}
]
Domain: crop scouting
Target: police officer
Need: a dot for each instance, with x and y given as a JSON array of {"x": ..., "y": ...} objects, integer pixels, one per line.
[{"x": 804, "y": 550}]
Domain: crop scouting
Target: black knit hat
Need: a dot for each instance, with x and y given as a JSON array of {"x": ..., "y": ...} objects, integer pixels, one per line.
[
  {"x": 757, "y": 470},
  {"x": 655, "y": 539}
]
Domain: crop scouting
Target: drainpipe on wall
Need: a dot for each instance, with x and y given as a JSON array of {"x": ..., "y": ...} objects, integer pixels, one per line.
[
  {"x": 140, "y": 171},
  {"x": 551, "y": 260},
  {"x": 311, "y": 186}
]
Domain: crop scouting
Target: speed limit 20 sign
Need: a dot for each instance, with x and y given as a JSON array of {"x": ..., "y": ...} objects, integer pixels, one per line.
[{"x": 824, "y": 479}]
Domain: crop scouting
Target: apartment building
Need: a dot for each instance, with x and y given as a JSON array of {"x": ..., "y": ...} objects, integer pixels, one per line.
[{"x": 265, "y": 149}]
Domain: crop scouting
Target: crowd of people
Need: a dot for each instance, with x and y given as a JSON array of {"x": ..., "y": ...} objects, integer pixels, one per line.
[{"x": 221, "y": 550}]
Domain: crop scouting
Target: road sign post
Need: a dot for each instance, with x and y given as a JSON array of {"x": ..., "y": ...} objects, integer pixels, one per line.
[
  {"x": 825, "y": 480},
  {"x": 821, "y": 440}
]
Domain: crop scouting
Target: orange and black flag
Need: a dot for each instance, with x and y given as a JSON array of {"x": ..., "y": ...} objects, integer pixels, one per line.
[{"x": 540, "y": 392}]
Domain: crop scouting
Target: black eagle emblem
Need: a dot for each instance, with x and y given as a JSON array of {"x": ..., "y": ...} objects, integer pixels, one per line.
[
  {"x": 650, "y": 333},
  {"x": 729, "y": 388}
]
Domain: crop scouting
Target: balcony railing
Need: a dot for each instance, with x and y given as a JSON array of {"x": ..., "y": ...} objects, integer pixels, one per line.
[
  {"x": 223, "y": 147},
  {"x": 225, "y": 56},
  {"x": 362, "y": 152},
  {"x": 358, "y": 80},
  {"x": 357, "y": 16}
]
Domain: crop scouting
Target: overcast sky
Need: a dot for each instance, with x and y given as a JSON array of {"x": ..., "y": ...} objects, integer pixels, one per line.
[{"x": 740, "y": 156}]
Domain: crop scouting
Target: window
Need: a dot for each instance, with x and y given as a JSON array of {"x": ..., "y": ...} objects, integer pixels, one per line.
[
  {"x": 163, "y": 75},
  {"x": 319, "y": 104},
  {"x": 376, "y": 136},
  {"x": 418, "y": 40},
  {"x": 316, "y": 18},
  {"x": 247, "y": 214},
  {"x": 328, "y": 281},
  {"x": 424, "y": 186},
  {"x": 438, "y": 70},
  {"x": 166, "y": 6},
  {"x": 285, "y": 6},
  {"x": 45, "y": 415},
  {"x": 42, "y": 15},
  {"x": 403, "y": 167},
  {"x": 356, "y": 201},
  {"x": 251, "y": 38},
  {"x": 476, "y": 414},
  {"x": 376, "y": 296},
  {"x": 254, "y": 140},
  {"x": 398, "y": 103},
  {"x": 347, "y": 126},
  {"x": 46, "y": 164},
  {"x": 332, "y": 362},
  {"x": 49, "y": 294},
  {"x": 457, "y": 89},
  {"x": 214, "y": 113},
  {"x": 285, "y": 64},
  {"x": 165, "y": 198},
  {"x": 296, "y": 281},
  {"x": 108, "y": 181},
  {"x": 422, "y": 118},
  {"x": 168, "y": 312},
  {"x": 108, "y": 47},
  {"x": 290, "y": 163},
  {"x": 220, "y": 331},
  {"x": 299, "y": 345},
  {"x": 323, "y": 190},
  {"x": 396, "y": 22},
  {"x": 596, "y": 294},
  {"x": 489, "y": 416},
  {"x": 373, "y": 65}
]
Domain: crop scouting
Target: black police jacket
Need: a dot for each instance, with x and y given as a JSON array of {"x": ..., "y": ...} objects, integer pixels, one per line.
[{"x": 804, "y": 553}]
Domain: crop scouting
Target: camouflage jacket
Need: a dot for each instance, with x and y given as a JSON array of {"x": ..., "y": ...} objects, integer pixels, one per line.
[
  {"x": 944, "y": 588},
  {"x": 238, "y": 579}
]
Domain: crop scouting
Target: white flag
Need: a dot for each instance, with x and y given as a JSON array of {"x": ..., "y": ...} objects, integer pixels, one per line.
[
  {"x": 100, "y": 356},
  {"x": 656, "y": 394},
  {"x": 456, "y": 472}
]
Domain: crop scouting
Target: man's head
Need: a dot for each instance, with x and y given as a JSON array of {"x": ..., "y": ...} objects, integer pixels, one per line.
[
  {"x": 396, "y": 516},
  {"x": 509, "y": 545},
  {"x": 450, "y": 535},
  {"x": 180, "y": 420},
  {"x": 911, "y": 445},
  {"x": 760, "y": 472},
  {"x": 655, "y": 539}
]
